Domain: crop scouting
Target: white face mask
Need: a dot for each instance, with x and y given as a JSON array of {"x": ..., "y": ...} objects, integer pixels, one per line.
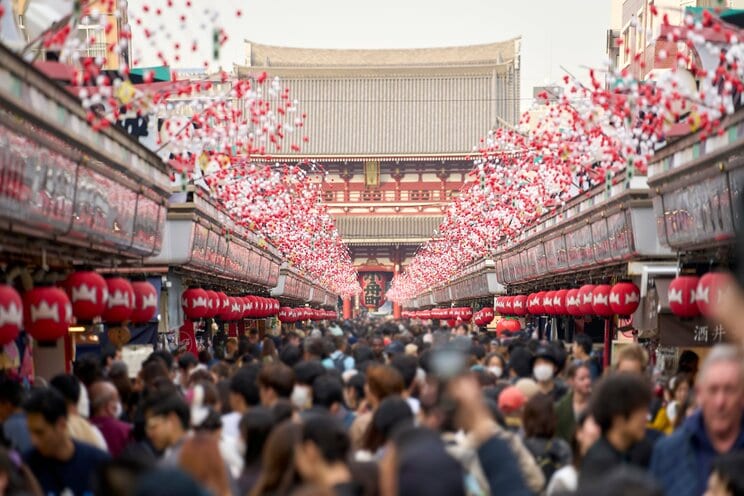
[
  {"x": 496, "y": 370},
  {"x": 671, "y": 410},
  {"x": 301, "y": 397},
  {"x": 118, "y": 410},
  {"x": 543, "y": 372}
]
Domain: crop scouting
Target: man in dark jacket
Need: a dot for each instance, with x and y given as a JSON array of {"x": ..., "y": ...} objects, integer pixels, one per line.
[
  {"x": 620, "y": 408},
  {"x": 683, "y": 461}
]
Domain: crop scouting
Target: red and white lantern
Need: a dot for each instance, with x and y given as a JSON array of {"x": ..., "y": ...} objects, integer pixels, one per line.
[
  {"x": 145, "y": 302},
  {"x": 601, "y": 301},
  {"x": 682, "y": 295},
  {"x": 548, "y": 302},
  {"x": 47, "y": 313},
  {"x": 573, "y": 300},
  {"x": 710, "y": 290},
  {"x": 120, "y": 303},
  {"x": 625, "y": 298},
  {"x": 11, "y": 314},
  {"x": 508, "y": 305},
  {"x": 195, "y": 303},
  {"x": 586, "y": 299},
  {"x": 88, "y": 294},
  {"x": 487, "y": 315},
  {"x": 213, "y": 304},
  {"x": 519, "y": 305},
  {"x": 559, "y": 302}
]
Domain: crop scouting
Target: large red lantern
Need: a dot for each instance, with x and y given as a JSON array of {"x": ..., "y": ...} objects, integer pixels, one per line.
[
  {"x": 285, "y": 314},
  {"x": 466, "y": 314},
  {"x": 601, "y": 301},
  {"x": 573, "y": 300},
  {"x": 508, "y": 325},
  {"x": 213, "y": 304},
  {"x": 682, "y": 296},
  {"x": 519, "y": 305},
  {"x": 195, "y": 303},
  {"x": 559, "y": 302},
  {"x": 625, "y": 298},
  {"x": 47, "y": 313},
  {"x": 487, "y": 315},
  {"x": 223, "y": 308},
  {"x": 500, "y": 304},
  {"x": 88, "y": 294},
  {"x": 509, "y": 305},
  {"x": 537, "y": 305},
  {"x": 145, "y": 302},
  {"x": 120, "y": 302},
  {"x": 11, "y": 314},
  {"x": 548, "y": 302},
  {"x": 425, "y": 315},
  {"x": 710, "y": 291},
  {"x": 586, "y": 299}
]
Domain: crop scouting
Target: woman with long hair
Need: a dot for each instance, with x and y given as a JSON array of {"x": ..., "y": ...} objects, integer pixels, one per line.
[{"x": 279, "y": 476}]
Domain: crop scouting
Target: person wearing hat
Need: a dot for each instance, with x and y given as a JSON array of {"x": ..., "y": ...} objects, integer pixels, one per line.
[
  {"x": 544, "y": 367},
  {"x": 511, "y": 404}
]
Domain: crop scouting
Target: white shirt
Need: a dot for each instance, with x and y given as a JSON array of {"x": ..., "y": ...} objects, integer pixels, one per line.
[
  {"x": 564, "y": 480},
  {"x": 231, "y": 425}
]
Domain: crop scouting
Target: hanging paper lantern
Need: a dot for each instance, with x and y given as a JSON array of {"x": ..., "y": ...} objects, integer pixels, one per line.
[
  {"x": 601, "y": 301},
  {"x": 88, "y": 293},
  {"x": 488, "y": 315},
  {"x": 500, "y": 304},
  {"x": 682, "y": 296},
  {"x": 586, "y": 299},
  {"x": 548, "y": 302},
  {"x": 559, "y": 302},
  {"x": 224, "y": 306},
  {"x": 145, "y": 302},
  {"x": 451, "y": 322},
  {"x": 285, "y": 314},
  {"x": 508, "y": 305},
  {"x": 425, "y": 315},
  {"x": 519, "y": 305},
  {"x": 466, "y": 314},
  {"x": 213, "y": 304},
  {"x": 625, "y": 298},
  {"x": 47, "y": 313},
  {"x": 537, "y": 307},
  {"x": 572, "y": 303},
  {"x": 11, "y": 314},
  {"x": 710, "y": 290},
  {"x": 120, "y": 303},
  {"x": 236, "y": 308},
  {"x": 508, "y": 325},
  {"x": 195, "y": 303}
]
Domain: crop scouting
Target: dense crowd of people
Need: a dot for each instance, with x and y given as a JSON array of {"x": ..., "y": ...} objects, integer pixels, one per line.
[{"x": 365, "y": 408}]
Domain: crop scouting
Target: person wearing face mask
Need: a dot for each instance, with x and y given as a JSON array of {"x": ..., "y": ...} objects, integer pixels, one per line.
[
  {"x": 106, "y": 409},
  {"x": 544, "y": 367},
  {"x": 495, "y": 365}
]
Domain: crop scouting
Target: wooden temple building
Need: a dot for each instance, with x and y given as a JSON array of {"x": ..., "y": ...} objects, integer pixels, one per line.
[{"x": 394, "y": 129}]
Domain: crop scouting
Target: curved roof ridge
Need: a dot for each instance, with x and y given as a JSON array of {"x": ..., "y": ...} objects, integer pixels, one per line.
[{"x": 265, "y": 55}]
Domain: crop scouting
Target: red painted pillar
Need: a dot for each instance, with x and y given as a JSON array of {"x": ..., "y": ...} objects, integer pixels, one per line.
[
  {"x": 347, "y": 307},
  {"x": 607, "y": 344},
  {"x": 396, "y": 271}
]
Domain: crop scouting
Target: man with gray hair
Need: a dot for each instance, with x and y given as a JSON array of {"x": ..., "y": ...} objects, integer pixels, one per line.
[{"x": 683, "y": 461}]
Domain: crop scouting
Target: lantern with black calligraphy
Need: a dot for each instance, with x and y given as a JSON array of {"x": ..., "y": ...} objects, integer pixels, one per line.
[
  {"x": 88, "y": 294},
  {"x": 145, "y": 302},
  {"x": 682, "y": 295},
  {"x": 601, "y": 301},
  {"x": 573, "y": 300},
  {"x": 195, "y": 303},
  {"x": 11, "y": 314},
  {"x": 586, "y": 299},
  {"x": 710, "y": 290},
  {"x": 625, "y": 298},
  {"x": 120, "y": 303},
  {"x": 47, "y": 313},
  {"x": 519, "y": 305}
]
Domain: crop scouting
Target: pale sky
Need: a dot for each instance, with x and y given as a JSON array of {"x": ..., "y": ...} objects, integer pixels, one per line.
[{"x": 554, "y": 32}]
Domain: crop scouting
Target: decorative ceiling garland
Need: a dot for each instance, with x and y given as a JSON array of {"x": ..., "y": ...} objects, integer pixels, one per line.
[{"x": 586, "y": 138}]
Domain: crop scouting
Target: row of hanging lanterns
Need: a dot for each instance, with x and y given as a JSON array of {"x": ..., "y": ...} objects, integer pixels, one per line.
[
  {"x": 46, "y": 312},
  {"x": 602, "y": 301},
  {"x": 462, "y": 314},
  {"x": 198, "y": 303},
  {"x": 690, "y": 296},
  {"x": 291, "y": 315}
]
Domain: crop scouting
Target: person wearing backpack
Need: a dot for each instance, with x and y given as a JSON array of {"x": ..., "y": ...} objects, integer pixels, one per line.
[
  {"x": 539, "y": 422},
  {"x": 341, "y": 361}
]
